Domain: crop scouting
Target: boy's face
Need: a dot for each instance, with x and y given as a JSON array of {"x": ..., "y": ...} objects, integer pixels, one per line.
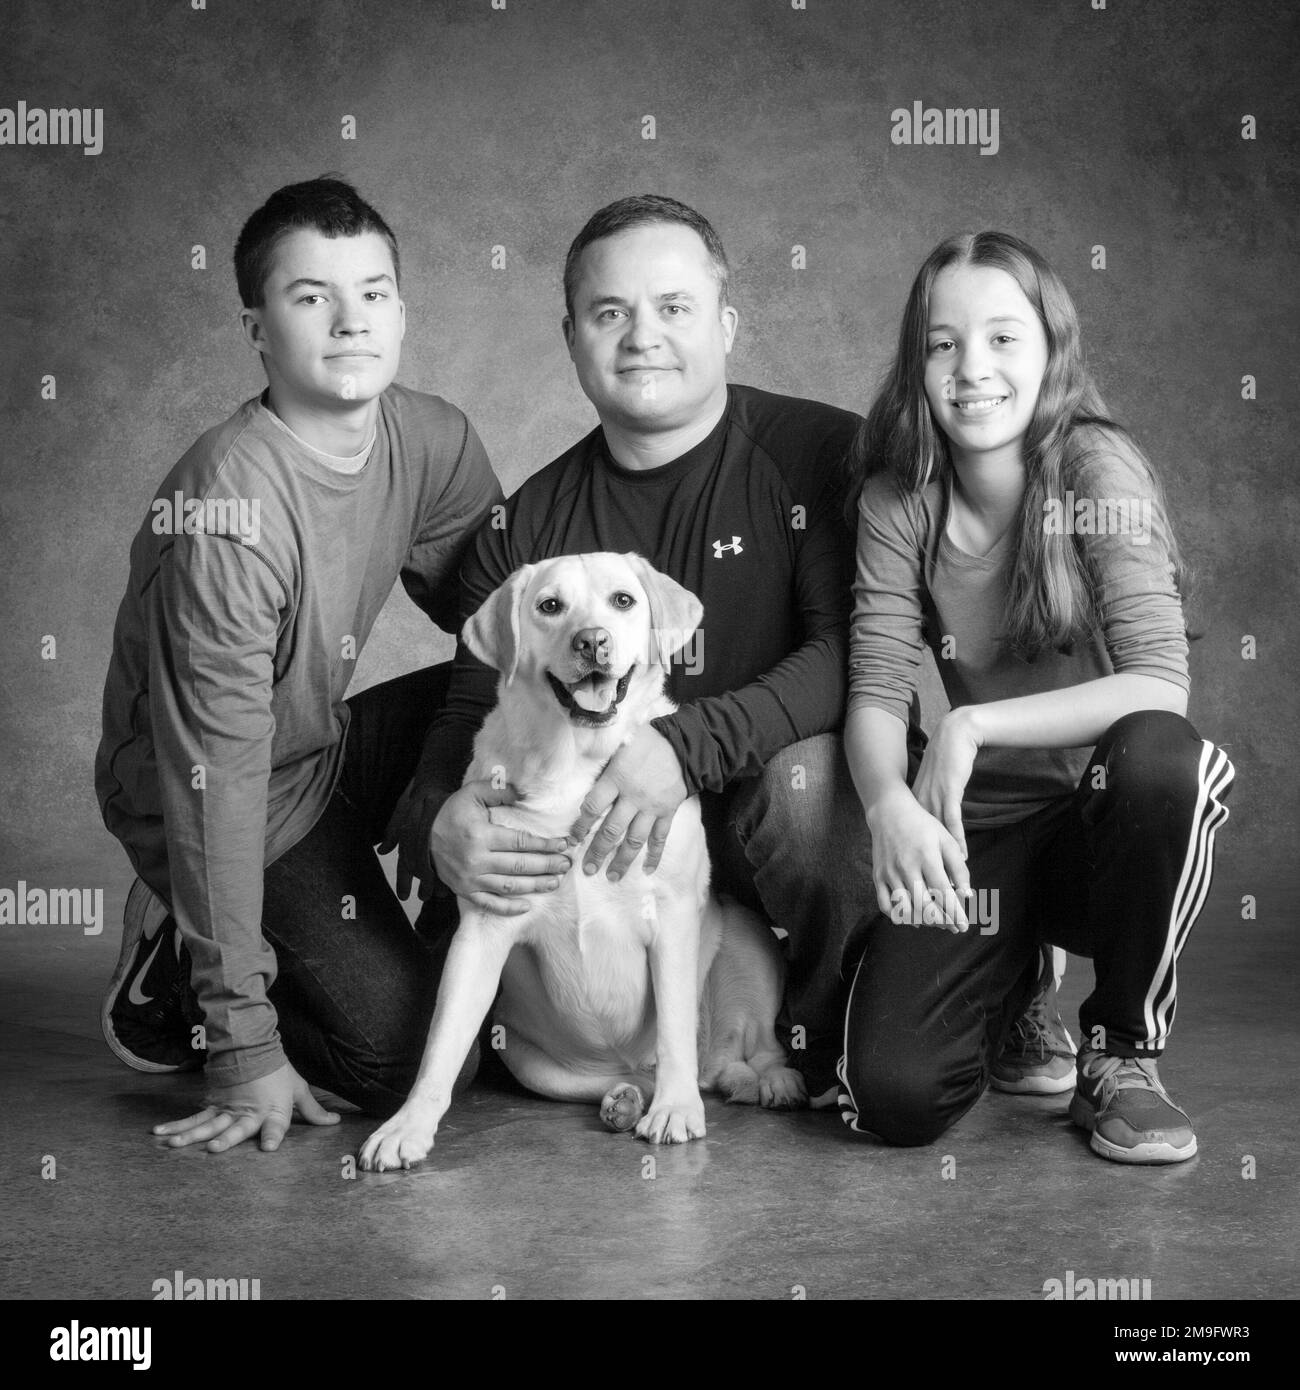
[{"x": 331, "y": 322}]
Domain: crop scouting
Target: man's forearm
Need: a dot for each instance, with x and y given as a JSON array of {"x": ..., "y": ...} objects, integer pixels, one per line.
[
  {"x": 449, "y": 744},
  {"x": 723, "y": 737}
]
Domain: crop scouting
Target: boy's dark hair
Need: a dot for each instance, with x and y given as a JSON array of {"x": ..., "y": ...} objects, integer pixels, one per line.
[
  {"x": 641, "y": 210},
  {"x": 333, "y": 207}
]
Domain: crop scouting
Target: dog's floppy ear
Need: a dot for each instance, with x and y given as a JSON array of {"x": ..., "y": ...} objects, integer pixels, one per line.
[
  {"x": 675, "y": 612},
  {"x": 492, "y": 634}
]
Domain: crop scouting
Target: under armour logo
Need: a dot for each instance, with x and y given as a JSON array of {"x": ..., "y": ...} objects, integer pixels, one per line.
[{"x": 735, "y": 547}]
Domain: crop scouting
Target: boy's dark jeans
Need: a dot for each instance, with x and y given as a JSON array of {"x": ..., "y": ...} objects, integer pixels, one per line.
[{"x": 356, "y": 984}]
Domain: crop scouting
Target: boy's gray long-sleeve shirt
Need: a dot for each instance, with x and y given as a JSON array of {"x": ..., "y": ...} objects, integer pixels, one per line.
[{"x": 224, "y": 714}]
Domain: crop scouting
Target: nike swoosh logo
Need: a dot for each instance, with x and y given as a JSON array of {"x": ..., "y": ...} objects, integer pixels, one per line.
[{"x": 134, "y": 994}]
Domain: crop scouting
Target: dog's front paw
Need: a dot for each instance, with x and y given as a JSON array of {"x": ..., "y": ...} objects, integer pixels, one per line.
[
  {"x": 782, "y": 1088},
  {"x": 404, "y": 1139},
  {"x": 673, "y": 1122},
  {"x": 622, "y": 1107}
]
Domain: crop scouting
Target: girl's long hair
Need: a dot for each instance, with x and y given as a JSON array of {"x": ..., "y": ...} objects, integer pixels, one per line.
[{"x": 1051, "y": 603}]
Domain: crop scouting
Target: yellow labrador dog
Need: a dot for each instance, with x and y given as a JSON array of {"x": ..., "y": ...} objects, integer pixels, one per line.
[{"x": 609, "y": 991}]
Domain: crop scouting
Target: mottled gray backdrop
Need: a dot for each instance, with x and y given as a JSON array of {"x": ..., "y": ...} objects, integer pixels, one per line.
[{"x": 479, "y": 127}]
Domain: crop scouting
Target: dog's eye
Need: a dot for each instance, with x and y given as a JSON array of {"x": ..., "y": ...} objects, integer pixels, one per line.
[
  {"x": 622, "y": 600},
  {"x": 549, "y": 606}
]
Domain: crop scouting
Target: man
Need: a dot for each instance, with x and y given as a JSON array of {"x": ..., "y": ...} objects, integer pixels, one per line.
[
  {"x": 247, "y": 792},
  {"x": 733, "y": 492}
]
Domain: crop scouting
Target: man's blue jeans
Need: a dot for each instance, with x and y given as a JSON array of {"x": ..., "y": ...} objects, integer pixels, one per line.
[{"x": 793, "y": 844}]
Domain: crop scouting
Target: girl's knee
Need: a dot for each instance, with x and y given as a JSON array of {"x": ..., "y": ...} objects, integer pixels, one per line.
[
  {"x": 903, "y": 1103},
  {"x": 1150, "y": 754}
]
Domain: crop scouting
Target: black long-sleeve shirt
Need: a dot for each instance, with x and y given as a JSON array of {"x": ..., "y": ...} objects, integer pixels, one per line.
[{"x": 749, "y": 520}]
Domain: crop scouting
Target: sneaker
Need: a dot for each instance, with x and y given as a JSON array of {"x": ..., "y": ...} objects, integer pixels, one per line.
[
  {"x": 149, "y": 1009},
  {"x": 1037, "y": 1058},
  {"x": 1132, "y": 1119}
]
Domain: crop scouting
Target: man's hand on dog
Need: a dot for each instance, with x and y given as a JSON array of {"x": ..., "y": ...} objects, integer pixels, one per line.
[
  {"x": 641, "y": 789},
  {"x": 495, "y": 866},
  {"x": 235, "y": 1113}
]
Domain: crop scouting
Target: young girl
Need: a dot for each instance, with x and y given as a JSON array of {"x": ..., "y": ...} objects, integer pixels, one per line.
[{"x": 1008, "y": 523}]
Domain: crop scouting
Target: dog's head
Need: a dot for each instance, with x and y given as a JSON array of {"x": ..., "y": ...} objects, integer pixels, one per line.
[{"x": 587, "y": 626}]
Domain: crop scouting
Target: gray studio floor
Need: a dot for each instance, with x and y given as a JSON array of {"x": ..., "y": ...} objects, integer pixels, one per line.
[{"x": 534, "y": 1199}]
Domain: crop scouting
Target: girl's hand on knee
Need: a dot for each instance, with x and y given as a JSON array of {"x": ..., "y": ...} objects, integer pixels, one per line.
[
  {"x": 917, "y": 863},
  {"x": 946, "y": 769}
]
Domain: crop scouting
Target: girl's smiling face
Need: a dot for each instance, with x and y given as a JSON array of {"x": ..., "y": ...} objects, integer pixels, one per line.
[{"x": 986, "y": 353}]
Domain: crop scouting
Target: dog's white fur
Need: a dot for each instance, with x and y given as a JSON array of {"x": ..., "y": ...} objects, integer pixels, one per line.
[{"x": 606, "y": 987}]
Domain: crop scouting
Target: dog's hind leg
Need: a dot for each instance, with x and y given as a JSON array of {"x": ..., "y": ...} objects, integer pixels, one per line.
[
  {"x": 622, "y": 1095},
  {"x": 625, "y": 1103},
  {"x": 744, "y": 1062}
]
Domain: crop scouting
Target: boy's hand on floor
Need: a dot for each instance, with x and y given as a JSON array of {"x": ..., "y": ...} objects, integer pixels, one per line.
[{"x": 235, "y": 1113}]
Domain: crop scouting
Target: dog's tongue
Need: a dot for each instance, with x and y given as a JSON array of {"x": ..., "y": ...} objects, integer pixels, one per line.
[{"x": 595, "y": 694}]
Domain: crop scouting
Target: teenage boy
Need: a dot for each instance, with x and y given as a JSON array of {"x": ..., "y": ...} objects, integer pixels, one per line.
[{"x": 247, "y": 792}]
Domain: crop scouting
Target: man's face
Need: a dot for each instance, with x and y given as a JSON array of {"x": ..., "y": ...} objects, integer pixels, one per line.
[
  {"x": 331, "y": 323},
  {"x": 648, "y": 337}
]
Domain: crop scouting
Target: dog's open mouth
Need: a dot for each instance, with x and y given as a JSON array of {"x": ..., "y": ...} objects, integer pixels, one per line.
[{"x": 594, "y": 699}]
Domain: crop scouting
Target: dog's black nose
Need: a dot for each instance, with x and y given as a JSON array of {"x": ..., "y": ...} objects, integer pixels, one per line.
[{"x": 592, "y": 644}]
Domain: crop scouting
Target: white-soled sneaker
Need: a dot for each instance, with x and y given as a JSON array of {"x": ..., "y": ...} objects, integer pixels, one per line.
[
  {"x": 1037, "y": 1058},
  {"x": 149, "y": 1010},
  {"x": 1132, "y": 1119}
]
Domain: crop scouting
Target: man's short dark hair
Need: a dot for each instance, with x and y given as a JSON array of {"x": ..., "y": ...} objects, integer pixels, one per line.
[
  {"x": 640, "y": 210},
  {"x": 328, "y": 204}
]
